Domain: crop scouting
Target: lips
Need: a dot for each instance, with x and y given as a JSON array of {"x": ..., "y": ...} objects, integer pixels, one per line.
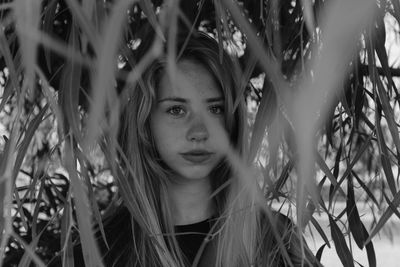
[{"x": 197, "y": 156}]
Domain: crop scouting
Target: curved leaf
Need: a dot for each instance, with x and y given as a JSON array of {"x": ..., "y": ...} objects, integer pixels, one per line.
[{"x": 340, "y": 244}]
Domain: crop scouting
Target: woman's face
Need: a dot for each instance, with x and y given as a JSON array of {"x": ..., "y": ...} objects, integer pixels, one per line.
[{"x": 187, "y": 119}]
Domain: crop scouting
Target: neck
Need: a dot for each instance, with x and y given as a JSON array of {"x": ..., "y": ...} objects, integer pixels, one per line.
[{"x": 190, "y": 201}]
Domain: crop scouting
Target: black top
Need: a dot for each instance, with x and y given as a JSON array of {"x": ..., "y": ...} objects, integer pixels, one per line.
[
  {"x": 119, "y": 236},
  {"x": 191, "y": 236}
]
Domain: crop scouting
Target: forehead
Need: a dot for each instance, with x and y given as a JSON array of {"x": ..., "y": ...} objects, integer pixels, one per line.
[{"x": 191, "y": 80}]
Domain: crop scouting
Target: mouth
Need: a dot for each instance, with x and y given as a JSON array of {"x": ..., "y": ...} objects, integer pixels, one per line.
[{"x": 197, "y": 156}]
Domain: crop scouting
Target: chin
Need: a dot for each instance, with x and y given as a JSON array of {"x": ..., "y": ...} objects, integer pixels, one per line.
[{"x": 196, "y": 174}]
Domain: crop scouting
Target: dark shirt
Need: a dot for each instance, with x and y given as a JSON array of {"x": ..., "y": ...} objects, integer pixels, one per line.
[{"x": 191, "y": 236}]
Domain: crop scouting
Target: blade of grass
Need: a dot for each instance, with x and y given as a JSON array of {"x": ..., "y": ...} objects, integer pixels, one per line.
[
  {"x": 92, "y": 197},
  {"x": 309, "y": 16},
  {"x": 38, "y": 199},
  {"x": 29, "y": 250},
  {"x": 105, "y": 70},
  {"x": 384, "y": 155},
  {"x": 20, "y": 210},
  {"x": 29, "y": 133},
  {"x": 335, "y": 173},
  {"x": 90, "y": 249},
  {"x": 148, "y": 10},
  {"x": 267, "y": 62},
  {"x": 380, "y": 48},
  {"x": 366, "y": 189},
  {"x": 320, "y": 231},
  {"x": 325, "y": 169},
  {"x": 385, "y": 217},
  {"x": 389, "y": 115},
  {"x": 48, "y": 22},
  {"x": 27, "y": 15},
  {"x": 340, "y": 244},
  {"x": 247, "y": 73},
  {"x": 8, "y": 58},
  {"x": 51, "y": 98},
  {"x": 66, "y": 234},
  {"x": 370, "y": 249},
  {"x": 394, "y": 209},
  {"x": 355, "y": 224},
  {"x": 266, "y": 113},
  {"x": 319, "y": 252},
  {"x": 360, "y": 152},
  {"x": 70, "y": 87},
  {"x": 59, "y": 47},
  {"x": 85, "y": 24}
]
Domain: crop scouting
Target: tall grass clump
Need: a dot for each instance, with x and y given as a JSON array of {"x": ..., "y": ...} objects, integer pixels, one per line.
[{"x": 323, "y": 96}]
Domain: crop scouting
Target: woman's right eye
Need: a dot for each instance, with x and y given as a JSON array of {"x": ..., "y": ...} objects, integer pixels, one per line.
[{"x": 176, "y": 111}]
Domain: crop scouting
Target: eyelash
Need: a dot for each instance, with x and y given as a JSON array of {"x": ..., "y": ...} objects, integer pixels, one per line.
[
  {"x": 216, "y": 110},
  {"x": 171, "y": 109},
  {"x": 219, "y": 107}
]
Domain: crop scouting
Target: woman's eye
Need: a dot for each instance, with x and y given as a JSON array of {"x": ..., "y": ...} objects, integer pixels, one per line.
[
  {"x": 217, "y": 109},
  {"x": 176, "y": 111}
]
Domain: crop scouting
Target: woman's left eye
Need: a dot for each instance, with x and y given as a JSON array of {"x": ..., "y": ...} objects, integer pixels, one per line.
[
  {"x": 176, "y": 111},
  {"x": 219, "y": 109}
]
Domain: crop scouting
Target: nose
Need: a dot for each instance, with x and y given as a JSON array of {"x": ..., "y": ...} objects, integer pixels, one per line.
[{"x": 198, "y": 131}]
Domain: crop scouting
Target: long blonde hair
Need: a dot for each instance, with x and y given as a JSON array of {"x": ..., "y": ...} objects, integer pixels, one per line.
[{"x": 236, "y": 238}]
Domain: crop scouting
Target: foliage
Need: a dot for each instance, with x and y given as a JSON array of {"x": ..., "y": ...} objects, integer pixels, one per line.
[{"x": 327, "y": 113}]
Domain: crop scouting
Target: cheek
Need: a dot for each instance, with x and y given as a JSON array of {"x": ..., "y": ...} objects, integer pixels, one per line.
[{"x": 166, "y": 136}]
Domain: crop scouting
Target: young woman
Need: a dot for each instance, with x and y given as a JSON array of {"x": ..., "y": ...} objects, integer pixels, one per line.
[{"x": 184, "y": 202}]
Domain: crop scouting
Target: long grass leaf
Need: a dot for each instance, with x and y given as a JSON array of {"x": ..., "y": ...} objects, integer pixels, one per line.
[
  {"x": 38, "y": 200},
  {"x": 92, "y": 196},
  {"x": 48, "y": 23},
  {"x": 219, "y": 16},
  {"x": 29, "y": 250},
  {"x": 319, "y": 252},
  {"x": 394, "y": 209},
  {"x": 385, "y": 217},
  {"x": 366, "y": 189},
  {"x": 148, "y": 10},
  {"x": 8, "y": 58},
  {"x": 355, "y": 224},
  {"x": 266, "y": 61},
  {"x": 265, "y": 115},
  {"x": 84, "y": 22},
  {"x": 90, "y": 249},
  {"x": 27, "y": 14},
  {"x": 70, "y": 87},
  {"x": 389, "y": 115},
  {"x": 104, "y": 79},
  {"x": 325, "y": 169},
  {"x": 320, "y": 231},
  {"x": 66, "y": 235},
  {"x": 340, "y": 244},
  {"x": 335, "y": 172},
  {"x": 248, "y": 71},
  {"x": 20, "y": 210},
  {"x": 380, "y": 39},
  {"x": 29, "y": 133},
  {"x": 360, "y": 152},
  {"x": 59, "y": 47},
  {"x": 370, "y": 250},
  {"x": 51, "y": 98},
  {"x": 384, "y": 156},
  {"x": 280, "y": 182}
]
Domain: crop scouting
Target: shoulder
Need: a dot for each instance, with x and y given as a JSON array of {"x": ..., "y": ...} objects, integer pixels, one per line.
[{"x": 116, "y": 248}]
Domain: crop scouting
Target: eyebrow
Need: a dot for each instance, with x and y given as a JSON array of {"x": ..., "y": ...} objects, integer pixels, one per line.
[{"x": 183, "y": 100}]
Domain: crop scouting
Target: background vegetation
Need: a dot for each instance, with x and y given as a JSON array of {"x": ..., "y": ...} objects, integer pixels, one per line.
[{"x": 324, "y": 97}]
